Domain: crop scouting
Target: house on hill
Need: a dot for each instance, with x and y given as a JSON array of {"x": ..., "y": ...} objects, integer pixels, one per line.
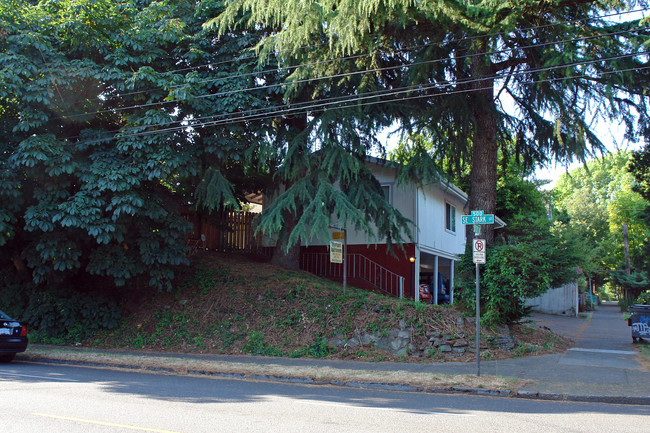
[
  {"x": 439, "y": 239},
  {"x": 423, "y": 268}
]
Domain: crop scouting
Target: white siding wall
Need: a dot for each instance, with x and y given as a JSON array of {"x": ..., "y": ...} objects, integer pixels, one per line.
[
  {"x": 402, "y": 197},
  {"x": 434, "y": 237}
]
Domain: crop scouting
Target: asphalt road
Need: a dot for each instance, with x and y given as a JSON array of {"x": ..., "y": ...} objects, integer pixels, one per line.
[{"x": 54, "y": 398}]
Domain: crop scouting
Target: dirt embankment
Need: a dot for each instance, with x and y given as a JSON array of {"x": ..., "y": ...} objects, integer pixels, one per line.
[{"x": 229, "y": 304}]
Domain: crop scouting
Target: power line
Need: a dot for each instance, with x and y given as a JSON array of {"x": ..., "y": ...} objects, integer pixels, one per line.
[
  {"x": 323, "y": 107},
  {"x": 329, "y": 77},
  {"x": 251, "y": 74},
  {"x": 305, "y": 107},
  {"x": 414, "y": 87},
  {"x": 391, "y": 92},
  {"x": 406, "y": 49},
  {"x": 469, "y": 39},
  {"x": 253, "y": 116}
]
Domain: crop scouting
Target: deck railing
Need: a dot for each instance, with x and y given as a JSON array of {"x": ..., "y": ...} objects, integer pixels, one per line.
[{"x": 358, "y": 267}]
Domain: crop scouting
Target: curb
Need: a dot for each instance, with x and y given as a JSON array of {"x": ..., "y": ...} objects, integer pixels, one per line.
[
  {"x": 370, "y": 385},
  {"x": 610, "y": 399}
]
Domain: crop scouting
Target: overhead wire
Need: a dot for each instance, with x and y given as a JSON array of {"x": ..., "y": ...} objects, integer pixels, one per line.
[
  {"x": 302, "y": 108},
  {"x": 328, "y": 77},
  {"x": 280, "y": 69},
  {"x": 308, "y": 107},
  {"x": 470, "y": 38},
  {"x": 326, "y": 102}
]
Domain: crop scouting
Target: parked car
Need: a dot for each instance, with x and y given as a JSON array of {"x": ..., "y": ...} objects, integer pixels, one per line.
[
  {"x": 425, "y": 294},
  {"x": 13, "y": 338}
]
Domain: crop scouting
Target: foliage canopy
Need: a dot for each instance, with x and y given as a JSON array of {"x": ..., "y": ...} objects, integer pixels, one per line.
[
  {"x": 448, "y": 68},
  {"x": 596, "y": 201},
  {"x": 116, "y": 115}
]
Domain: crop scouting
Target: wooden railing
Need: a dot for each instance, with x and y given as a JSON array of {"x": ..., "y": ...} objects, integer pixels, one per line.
[{"x": 359, "y": 267}]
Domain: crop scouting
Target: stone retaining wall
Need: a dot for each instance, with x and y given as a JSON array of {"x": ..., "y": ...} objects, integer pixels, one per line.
[{"x": 405, "y": 341}]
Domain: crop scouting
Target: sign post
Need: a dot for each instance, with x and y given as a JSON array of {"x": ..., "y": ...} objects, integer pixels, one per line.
[
  {"x": 343, "y": 251},
  {"x": 478, "y": 324},
  {"x": 479, "y": 257}
]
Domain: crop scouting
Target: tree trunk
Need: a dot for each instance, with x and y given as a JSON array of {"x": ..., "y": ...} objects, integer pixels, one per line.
[
  {"x": 483, "y": 185},
  {"x": 19, "y": 264},
  {"x": 288, "y": 258}
]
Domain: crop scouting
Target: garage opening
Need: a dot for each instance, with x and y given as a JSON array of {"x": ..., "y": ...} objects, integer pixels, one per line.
[{"x": 437, "y": 277}]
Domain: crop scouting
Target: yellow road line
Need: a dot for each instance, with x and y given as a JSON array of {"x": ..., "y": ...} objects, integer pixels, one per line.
[{"x": 108, "y": 424}]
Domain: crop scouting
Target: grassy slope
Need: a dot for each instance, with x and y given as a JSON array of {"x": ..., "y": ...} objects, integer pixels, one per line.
[{"x": 229, "y": 304}]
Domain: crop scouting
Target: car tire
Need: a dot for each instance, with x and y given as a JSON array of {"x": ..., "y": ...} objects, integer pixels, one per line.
[{"x": 7, "y": 357}]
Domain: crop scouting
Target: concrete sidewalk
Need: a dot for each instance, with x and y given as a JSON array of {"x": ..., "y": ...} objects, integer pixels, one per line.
[
  {"x": 603, "y": 366},
  {"x": 603, "y": 363}
]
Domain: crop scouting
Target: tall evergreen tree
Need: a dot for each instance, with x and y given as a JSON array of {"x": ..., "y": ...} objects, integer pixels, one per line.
[
  {"x": 323, "y": 144},
  {"x": 450, "y": 67}
]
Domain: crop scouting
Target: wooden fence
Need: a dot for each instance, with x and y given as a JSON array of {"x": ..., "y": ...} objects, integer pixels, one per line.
[{"x": 228, "y": 231}]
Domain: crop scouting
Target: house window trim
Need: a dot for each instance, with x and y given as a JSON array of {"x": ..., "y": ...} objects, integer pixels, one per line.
[
  {"x": 390, "y": 191},
  {"x": 448, "y": 218}
]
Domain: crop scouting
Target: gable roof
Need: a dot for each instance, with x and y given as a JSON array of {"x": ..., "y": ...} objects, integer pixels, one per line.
[{"x": 445, "y": 184}]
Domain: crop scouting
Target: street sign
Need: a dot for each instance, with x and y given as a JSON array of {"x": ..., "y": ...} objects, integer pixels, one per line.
[
  {"x": 477, "y": 217},
  {"x": 336, "y": 252},
  {"x": 338, "y": 235},
  {"x": 479, "y": 255}
]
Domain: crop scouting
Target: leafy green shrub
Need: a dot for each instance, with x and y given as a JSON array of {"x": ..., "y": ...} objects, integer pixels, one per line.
[
  {"x": 318, "y": 349},
  {"x": 604, "y": 293},
  {"x": 12, "y": 293},
  {"x": 58, "y": 315},
  {"x": 255, "y": 345},
  {"x": 625, "y": 302},
  {"x": 634, "y": 285},
  {"x": 644, "y": 298},
  {"x": 513, "y": 272}
]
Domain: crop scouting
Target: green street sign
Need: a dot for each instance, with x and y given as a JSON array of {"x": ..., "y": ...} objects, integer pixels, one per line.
[{"x": 477, "y": 217}]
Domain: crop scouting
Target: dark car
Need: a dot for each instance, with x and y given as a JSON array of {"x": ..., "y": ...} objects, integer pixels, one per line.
[{"x": 13, "y": 338}]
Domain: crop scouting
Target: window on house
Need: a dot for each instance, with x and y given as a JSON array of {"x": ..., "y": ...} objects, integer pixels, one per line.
[
  {"x": 450, "y": 217},
  {"x": 386, "y": 190}
]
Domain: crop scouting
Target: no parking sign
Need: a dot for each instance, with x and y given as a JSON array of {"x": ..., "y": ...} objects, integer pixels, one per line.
[{"x": 479, "y": 251}]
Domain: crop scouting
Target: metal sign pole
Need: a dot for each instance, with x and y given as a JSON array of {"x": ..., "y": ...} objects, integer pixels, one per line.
[
  {"x": 345, "y": 260},
  {"x": 477, "y": 232},
  {"x": 479, "y": 252},
  {"x": 344, "y": 253},
  {"x": 478, "y": 325}
]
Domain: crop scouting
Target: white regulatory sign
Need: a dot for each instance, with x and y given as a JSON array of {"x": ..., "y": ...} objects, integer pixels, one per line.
[
  {"x": 479, "y": 251},
  {"x": 336, "y": 252}
]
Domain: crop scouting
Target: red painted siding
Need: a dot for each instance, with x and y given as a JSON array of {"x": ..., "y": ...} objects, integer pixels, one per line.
[{"x": 397, "y": 262}]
